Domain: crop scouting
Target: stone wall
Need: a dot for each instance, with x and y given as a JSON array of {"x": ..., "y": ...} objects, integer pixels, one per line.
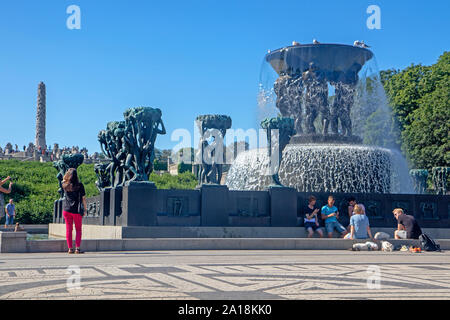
[{"x": 213, "y": 205}]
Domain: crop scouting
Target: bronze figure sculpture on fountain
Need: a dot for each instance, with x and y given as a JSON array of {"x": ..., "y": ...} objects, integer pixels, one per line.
[{"x": 306, "y": 72}]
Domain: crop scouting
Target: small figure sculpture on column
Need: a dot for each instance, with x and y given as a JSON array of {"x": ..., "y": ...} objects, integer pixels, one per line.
[
  {"x": 211, "y": 156},
  {"x": 285, "y": 129},
  {"x": 419, "y": 177},
  {"x": 67, "y": 161}
]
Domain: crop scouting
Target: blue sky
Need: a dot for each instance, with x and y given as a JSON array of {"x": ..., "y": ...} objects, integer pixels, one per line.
[{"x": 185, "y": 57}]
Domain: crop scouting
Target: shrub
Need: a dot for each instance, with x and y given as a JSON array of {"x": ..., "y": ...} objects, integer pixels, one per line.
[{"x": 184, "y": 167}]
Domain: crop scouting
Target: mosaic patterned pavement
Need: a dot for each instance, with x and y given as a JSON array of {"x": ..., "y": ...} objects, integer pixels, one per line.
[{"x": 226, "y": 275}]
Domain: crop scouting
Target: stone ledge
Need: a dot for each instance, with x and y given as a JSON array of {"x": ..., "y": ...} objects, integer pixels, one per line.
[
  {"x": 201, "y": 244},
  {"x": 14, "y": 242},
  {"x": 58, "y": 230},
  {"x": 118, "y": 232},
  {"x": 12, "y": 234}
]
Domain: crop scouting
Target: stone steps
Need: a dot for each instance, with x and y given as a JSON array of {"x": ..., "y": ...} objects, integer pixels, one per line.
[
  {"x": 11, "y": 242},
  {"x": 118, "y": 232},
  {"x": 210, "y": 244}
]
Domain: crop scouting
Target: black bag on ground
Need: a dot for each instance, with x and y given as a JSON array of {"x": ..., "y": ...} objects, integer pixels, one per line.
[{"x": 428, "y": 244}]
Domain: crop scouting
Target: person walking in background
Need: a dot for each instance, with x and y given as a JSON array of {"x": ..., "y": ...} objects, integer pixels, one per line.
[
  {"x": 359, "y": 225},
  {"x": 10, "y": 211},
  {"x": 312, "y": 218},
  {"x": 331, "y": 214},
  {"x": 3, "y": 182},
  {"x": 73, "y": 211}
]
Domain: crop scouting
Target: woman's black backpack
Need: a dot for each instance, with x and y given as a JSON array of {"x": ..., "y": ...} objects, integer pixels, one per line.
[{"x": 428, "y": 244}]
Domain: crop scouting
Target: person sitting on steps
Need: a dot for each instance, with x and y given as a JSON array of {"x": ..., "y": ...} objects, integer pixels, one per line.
[
  {"x": 331, "y": 214},
  {"x": 407, "y": 227},
  {"x": 311, "y": 221},
  {"x": 359, "y": 225}
]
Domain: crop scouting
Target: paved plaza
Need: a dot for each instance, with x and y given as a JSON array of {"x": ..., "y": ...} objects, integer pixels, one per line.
[{"x": 226, "y": 275}]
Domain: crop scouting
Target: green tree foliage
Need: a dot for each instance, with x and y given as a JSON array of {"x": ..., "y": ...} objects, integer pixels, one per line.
[
  {"x": 162, "y": 154},
  {"x": 420, "y": 99},
  {"x": 427, "y": 137},
  {"x": 184, "y": 167},
  {"x": 185, "y": 180},
  {"x": 404, "y": 89},
  {"x": 35, "y": 188},
  {"x": 184, "y": 155},
  {"x": 160, "y": 165}
]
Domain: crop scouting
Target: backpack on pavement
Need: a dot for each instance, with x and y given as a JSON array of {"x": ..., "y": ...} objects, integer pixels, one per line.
[{"x": 428, "y": 244}]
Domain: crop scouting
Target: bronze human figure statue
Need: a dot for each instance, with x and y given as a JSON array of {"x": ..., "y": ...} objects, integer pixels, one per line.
[
  {"x": 419, "y": 177},
  {"x": 340, "y": 108},
  {"x": 284, "y": 127},
  {"x": 440, "y": 177},
  {"x": 315, "y": 98},
  {"x": 210, "y": 156},
  {"x": 306, "y": 76},
  {"x": 103, "y": 179},
  {"x": 129, "y": 147},
  {"x": 67, "y": 161},
  {"x": 289, "y": 90}
]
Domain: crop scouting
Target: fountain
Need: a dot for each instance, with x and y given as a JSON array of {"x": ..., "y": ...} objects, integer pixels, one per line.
[
  {"x": 318, "y": 134},
  {"x": 316, "y": 87}
]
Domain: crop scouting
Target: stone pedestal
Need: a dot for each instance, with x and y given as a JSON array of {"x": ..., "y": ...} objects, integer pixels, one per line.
[
  {"x": 139, "y": 205},
  {"x": 283, "y": 206},
  {"x": 214, "y": 204},
  {"x": 13, "y": 242},
  {"x": 2, "y": 205},
  {"x": 115, "y": 207},
  {"x": 105, "y": 203},
  {"x": 57, "y": 211}
]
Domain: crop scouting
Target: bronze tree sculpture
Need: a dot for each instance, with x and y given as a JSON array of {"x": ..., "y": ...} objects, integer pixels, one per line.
[{"x": 129, "y": 147}]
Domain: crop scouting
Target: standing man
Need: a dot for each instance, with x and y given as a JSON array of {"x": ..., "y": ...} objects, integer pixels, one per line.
[
  {"x": 407, "y": 228},
  {"x": 331, "y": 214},
  {"x": 10, "y": 210}
]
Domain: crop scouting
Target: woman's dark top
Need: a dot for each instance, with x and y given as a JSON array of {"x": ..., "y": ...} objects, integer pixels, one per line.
[{"x": 72, "y": 199}]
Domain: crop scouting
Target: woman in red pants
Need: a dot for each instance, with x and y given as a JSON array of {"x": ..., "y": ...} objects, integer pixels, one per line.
[{"x": 74, "y": 196}]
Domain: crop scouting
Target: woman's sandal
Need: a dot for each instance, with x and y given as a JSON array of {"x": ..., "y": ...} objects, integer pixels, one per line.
[
  {"x": 78, "y": 251},
  {"x": 70, "y": 251}
]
